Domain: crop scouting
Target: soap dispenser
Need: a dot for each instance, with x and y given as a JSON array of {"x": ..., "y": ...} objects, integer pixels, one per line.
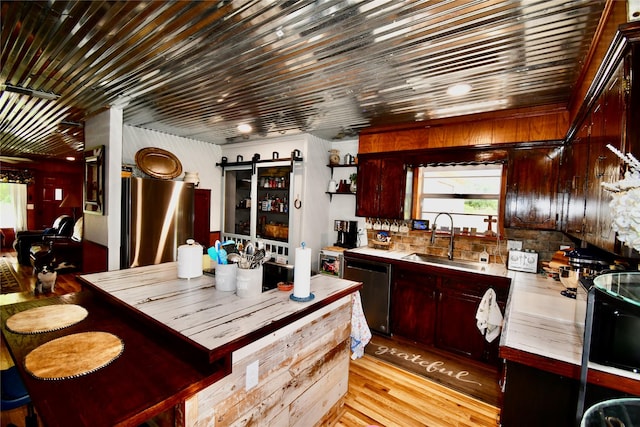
[{"x": 484, "y": 256}]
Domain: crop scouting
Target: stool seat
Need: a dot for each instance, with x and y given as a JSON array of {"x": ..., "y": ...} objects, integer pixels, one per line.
[{"x": 14, "y": 394}]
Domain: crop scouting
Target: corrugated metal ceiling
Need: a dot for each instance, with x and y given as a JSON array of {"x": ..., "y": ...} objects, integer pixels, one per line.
[{"x": 199, "y": 68}]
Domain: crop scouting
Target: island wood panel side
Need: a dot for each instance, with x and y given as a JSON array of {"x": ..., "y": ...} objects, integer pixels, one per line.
[
  {"x": 523, "y": 127},
  {"x": 303, "y": 376}
]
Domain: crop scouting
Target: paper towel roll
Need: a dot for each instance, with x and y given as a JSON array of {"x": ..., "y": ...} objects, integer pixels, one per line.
[
  {"x": 302, "y": 273},
  {"x": 189, "y": 260}
]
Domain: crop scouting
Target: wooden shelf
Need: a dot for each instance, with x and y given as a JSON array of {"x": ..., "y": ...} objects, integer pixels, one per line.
[
  {"x": 331, "y": 194},
  {"x": 340, "y": 166}
]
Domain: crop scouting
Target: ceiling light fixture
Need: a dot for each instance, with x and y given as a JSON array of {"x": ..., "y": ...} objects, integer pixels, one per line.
[
  {"x": 469, "y": 108},
  {"x": 244, "y": 128},
  {"x": 458, "y": 89},
  {"x": 70, "y": 123},
  {"x": 31, "y": 92}
]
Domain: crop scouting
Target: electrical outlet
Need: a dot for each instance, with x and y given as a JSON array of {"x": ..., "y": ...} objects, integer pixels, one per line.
[
  {"x": 252, "y": 375},
  {"x": 514, "y": 245}
]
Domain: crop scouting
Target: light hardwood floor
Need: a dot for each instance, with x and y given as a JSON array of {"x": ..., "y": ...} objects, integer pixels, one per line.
[
  {"x": 383, "y": 395},
  {"x": 379, "y": 394}
]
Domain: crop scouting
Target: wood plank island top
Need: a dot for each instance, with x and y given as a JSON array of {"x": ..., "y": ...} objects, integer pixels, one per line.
[
  {"x": 212, "y": 321},
  {"x": 149, "y": 378}
]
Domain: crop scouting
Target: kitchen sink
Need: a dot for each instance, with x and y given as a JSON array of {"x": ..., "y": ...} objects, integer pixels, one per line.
[{"x": 440, "y": 261}]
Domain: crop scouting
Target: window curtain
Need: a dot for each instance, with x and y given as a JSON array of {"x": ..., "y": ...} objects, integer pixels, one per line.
[{"x": 13, "y": 206}]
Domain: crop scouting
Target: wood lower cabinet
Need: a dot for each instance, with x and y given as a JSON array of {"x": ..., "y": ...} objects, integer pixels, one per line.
[
  {"x": 534, "y": 397},
  {"x": 413, "y": 306},
  {"x": 437, "y": 306},
  {"x": 457, "y": 310},
  {"x": 459, "y": 297}
]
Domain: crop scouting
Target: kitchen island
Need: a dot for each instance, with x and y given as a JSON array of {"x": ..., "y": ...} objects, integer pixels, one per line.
[{"x": 197, "y": 356}]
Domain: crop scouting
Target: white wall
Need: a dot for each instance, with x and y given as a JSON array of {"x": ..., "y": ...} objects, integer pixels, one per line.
[
  {"x": 344, "y": 207},
  {"x": 106, "y": 129},
  {"x": 194, "y": 155},
  {"x": 121, "y": 144}
]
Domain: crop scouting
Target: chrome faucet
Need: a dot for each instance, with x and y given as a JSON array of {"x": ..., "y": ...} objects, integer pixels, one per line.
[{"x": 433, "y": 233}]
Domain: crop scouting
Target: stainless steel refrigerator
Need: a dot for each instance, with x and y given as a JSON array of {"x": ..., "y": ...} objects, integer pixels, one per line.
[{"x": 157, "y": 217}]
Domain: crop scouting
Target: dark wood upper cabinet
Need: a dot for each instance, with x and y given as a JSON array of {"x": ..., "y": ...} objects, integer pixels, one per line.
[
  {"x": 574, "y": 181},
  {"x": 603, "y": 165},
  {"x": 381, "y": 187},
  {"x": 607, "y": 117},
  {"x": 531, "y": 200}
]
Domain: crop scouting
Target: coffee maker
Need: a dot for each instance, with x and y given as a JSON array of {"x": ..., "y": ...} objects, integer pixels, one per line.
[{"x": 347, "y": 233}]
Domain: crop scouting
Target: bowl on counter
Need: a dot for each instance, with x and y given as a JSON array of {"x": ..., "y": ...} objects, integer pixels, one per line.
[{"x": 285, "y": 286}]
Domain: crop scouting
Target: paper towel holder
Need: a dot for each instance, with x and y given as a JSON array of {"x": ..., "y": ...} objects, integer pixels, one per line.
[{"x": 304, "y": 299}]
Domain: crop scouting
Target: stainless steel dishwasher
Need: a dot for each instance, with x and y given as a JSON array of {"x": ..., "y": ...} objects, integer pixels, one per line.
[{"x": 376, "y": 290}]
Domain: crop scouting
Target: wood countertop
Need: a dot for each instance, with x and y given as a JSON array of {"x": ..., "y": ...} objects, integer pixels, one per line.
[
  {"x": 178, "y": 338},
  {"x": 543, "y": 331}
]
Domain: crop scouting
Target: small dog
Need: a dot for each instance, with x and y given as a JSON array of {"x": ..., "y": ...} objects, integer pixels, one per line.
[{"x": 46, "y": 275}]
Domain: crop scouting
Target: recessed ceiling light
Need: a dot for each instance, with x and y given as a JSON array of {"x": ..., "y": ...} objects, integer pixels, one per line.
[
  {"x": 458, "y": 89},
  {"x": 244, "y": 128}
]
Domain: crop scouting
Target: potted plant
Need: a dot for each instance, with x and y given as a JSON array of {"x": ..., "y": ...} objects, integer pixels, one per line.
[{"x": 352, "y": 186}]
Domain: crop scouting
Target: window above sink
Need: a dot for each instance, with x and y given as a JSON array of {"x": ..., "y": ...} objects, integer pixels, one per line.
[{"x": 469, "y": 193}]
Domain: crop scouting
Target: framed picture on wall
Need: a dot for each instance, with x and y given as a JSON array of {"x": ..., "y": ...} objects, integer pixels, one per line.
[{"x": 94, "y": 180}]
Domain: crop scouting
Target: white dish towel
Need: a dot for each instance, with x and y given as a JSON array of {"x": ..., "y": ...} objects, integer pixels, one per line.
[
  {"x": 489, "y": 318},
  {"x": 360, "y": 332}
]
